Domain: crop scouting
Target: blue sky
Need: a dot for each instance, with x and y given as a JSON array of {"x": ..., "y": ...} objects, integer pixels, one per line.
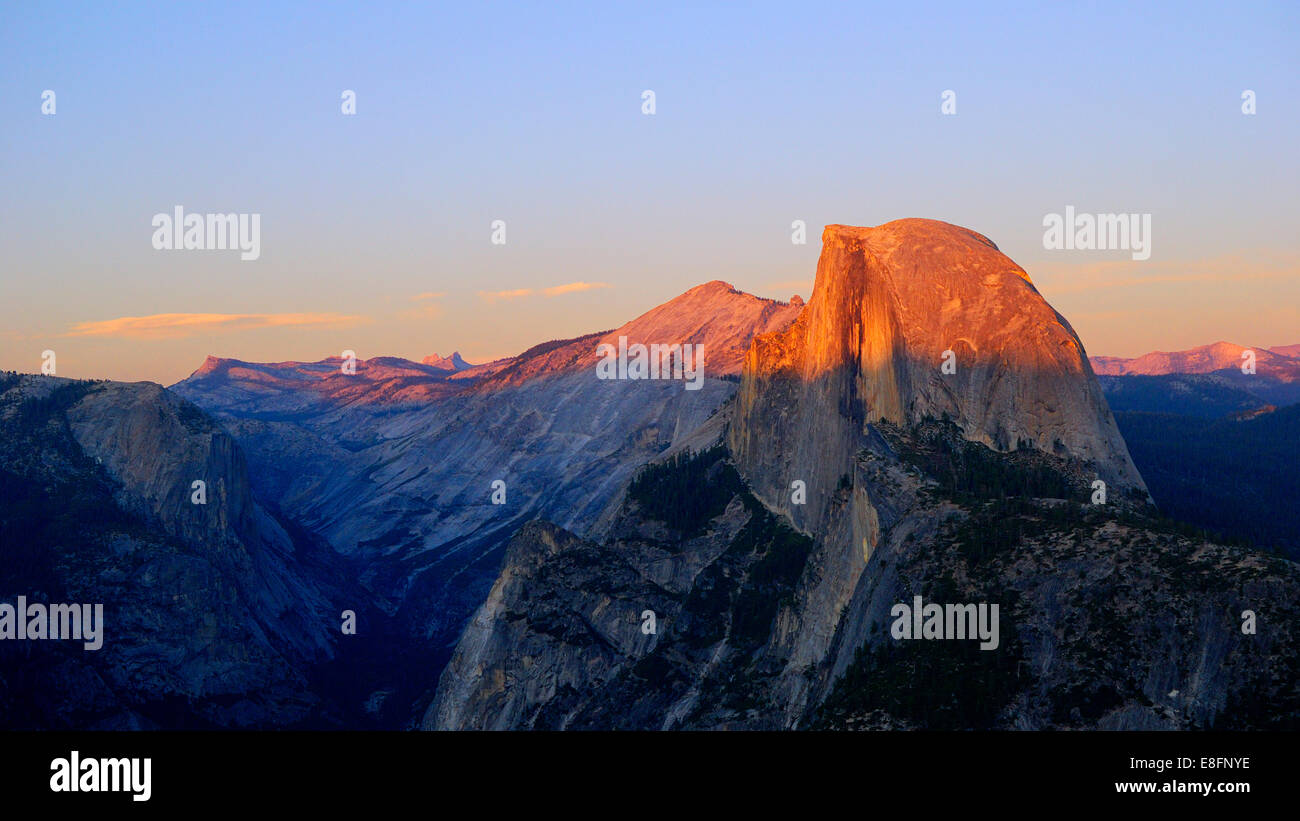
[{"x": 531, "y": 114}]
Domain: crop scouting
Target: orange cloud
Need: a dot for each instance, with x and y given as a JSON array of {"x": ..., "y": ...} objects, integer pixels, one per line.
[
  {"x": 492, "y": 296},
  {"x": 574, "y": 287},
  {"x": 556, "y": 290},
  {"x": 173, "y": 326}
]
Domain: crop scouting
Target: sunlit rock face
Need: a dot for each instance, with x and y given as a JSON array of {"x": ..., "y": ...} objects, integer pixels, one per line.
[{"x": 890, "y": 306}]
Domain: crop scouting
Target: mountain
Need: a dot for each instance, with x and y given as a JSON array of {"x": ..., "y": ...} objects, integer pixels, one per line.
[
  {"x": 215, "y": 614},
  {"x": 714, "y": 316},
  {"x": 289, "y": 389},
  {"x": 450, "y": 363},
  {"x": 1196, "y": 424},
  {"x": 749, "y": 579},
  {"x": 396, "y": 465},
  {"x": 1287, "y": 350},
  {"x": 1220, "y": 356},
  {"x": 888, "y": 303},
  {"x": 1207, "y": 381},
  {"x": 889, "y": 306},
  {"x": 1208, "y": 396}
]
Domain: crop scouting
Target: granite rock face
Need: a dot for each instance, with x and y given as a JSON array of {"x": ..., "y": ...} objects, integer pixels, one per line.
[
  {"x": 492, "y": 684},
  {"x": 214, "y": 614},
  {"x": 1109, "y": 617},
  {"x": 890, "y": 306}
]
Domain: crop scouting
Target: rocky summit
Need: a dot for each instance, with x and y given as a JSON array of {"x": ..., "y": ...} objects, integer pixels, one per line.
[
  {"x": 447, "y": 363},
  {"x": 890, "y": 306}
]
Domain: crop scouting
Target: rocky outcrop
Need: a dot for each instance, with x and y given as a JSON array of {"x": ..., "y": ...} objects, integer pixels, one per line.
[
  {"x": 572, "y": 628},
  {"x": 447, "y": 363},
  {"x": 579, "y": 640},
  {"x": 891, "y": 305},
  {"x": 214, "y": 614}
]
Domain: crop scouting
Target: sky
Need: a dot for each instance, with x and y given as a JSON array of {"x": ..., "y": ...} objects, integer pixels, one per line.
[{"x": 376, "y": 228}]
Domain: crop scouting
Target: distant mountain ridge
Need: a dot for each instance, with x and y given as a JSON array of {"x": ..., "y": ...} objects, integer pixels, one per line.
[
  {"x": 1196, "y": 424},
  {"x": 1280, "y": 362},
  {"x": 449, "y": 363},
  {"x": 279, "y": 388},
  {"x": 1206, "y": 381}
]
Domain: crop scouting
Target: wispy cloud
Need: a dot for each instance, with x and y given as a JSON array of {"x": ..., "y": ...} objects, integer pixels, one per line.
[
  {"x": 493, "y": 296},
  {"x": 574, "y": 287},
  {"x": 1105, "y": 275},
  {"x": 555, "y": 290},
  {"x": 173, "y": 326}
]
